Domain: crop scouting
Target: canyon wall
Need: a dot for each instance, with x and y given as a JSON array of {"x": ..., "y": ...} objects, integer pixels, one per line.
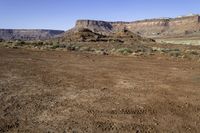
[
  {"x": 181, "y": 26},
  {"x": 184, "y": 25}
]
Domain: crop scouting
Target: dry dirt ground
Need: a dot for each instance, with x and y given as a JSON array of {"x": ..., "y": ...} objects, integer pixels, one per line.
[{"x": 61, "y": 92}]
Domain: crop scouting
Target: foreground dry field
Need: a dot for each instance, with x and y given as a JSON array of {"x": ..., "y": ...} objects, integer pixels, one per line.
[{"x": 51, "y": 91}]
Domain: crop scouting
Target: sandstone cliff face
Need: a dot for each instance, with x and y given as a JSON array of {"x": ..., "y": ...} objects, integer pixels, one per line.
[
  {"x": 101, "y": 27},
  {"x": 15, "y": 34},
  {"x": 182, "y": 26},
  {"x": 185, "y": 25}
]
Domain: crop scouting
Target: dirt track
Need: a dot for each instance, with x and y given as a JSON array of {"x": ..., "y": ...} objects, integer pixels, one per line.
[{"x": 53, "y": 91}]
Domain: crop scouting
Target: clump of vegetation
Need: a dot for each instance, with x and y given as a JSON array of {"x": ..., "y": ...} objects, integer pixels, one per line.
[
  {"x": 55, "y": 46},
  {"x": 15, "y": 44},
  {"x": 101, "y": 51},
  {"x": 73, "y": 47},
  {"x": 138, "y": 50},
  {"x": 172, "y": 52},
  {"x": 193, "y": 52},
  {"x": 159, "y": 49},
  {"x": 40, "y": 43},
  {"x": 124, "y": 51},
  {"x": 20, "y": 43},
  {"x": 9, "y": 42},
  {"x": 175, "y": 53},
  {"x": 2, "y": 40},
  {"x": 85, "y": 49}
]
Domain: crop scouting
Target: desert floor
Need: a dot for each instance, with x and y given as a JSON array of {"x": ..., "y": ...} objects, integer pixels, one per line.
[{"x": 57, "y": 91}]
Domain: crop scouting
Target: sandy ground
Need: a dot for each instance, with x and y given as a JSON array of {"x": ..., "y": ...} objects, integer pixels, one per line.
[{"x": 61, "y": 92}]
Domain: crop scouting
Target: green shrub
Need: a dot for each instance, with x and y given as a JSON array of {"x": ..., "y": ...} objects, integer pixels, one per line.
[
  {"x": 125, "y": 51},
  {"x": 73, "y": 47},
  {"x": 48, "y": 43},
  {"x": 19, "y": 43},
  {"x": 55, "y": 46},
  {"x": 85, "y": 49}
]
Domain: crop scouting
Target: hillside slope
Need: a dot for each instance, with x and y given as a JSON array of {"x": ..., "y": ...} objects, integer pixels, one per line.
[{"x": 87, "y": 35}]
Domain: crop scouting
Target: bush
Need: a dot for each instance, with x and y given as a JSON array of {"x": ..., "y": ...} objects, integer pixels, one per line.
[
  {"x": 124, "y": 51},
  {"x": 138, "y": 50},
  {"x": 85, "y": 49},
  {"x": 2, "y": 40},
  {"x": 55, "y": 46},
  {"x": 20, "y": 43},
  {"x": 62, "y": 46},
  {"x": 194, "y": 53},
  {"x": 9, "y": 42},
  {"x": 73, "y": 47},
  {"x": 102, "y": 52},
  {"x": 40, "y": 43},
  {"x": 175, "y": 53},
  {"x": 176, "y": 49}
]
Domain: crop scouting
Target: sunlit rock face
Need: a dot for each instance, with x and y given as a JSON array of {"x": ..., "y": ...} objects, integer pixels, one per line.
[{"x": 180, "y": 26}]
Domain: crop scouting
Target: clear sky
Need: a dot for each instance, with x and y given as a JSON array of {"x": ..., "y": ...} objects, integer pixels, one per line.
[{"x": 62, "y": 14}]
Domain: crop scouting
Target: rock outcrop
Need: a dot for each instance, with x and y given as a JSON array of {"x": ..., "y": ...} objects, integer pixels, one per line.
[
  {"x": 163, "y": 27},
  {"x": 81, "y": 34},
  {"x": 27, "y": 35}
]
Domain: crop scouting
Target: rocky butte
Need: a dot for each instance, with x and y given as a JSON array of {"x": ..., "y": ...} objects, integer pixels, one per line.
[{"x": 162, "y": 27}]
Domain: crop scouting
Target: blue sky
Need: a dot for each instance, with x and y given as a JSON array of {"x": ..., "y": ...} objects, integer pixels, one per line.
[{"x": 62, "y": 14}]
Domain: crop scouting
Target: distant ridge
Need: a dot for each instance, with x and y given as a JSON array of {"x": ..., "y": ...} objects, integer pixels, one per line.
[{"x": 28, "y": 34}]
